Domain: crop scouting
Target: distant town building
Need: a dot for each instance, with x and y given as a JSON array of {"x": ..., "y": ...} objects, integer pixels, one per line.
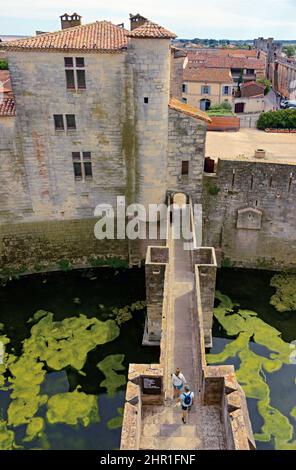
[{"x": 204, "y": 87}]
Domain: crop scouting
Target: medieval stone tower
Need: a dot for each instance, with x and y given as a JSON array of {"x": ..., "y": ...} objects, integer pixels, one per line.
[{"x": 149, "y": 54}]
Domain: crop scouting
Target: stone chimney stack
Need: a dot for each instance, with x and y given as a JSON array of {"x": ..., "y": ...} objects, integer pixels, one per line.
[
  {"x": 68, "y": 21},
  {"x": 137, "y": 20}
]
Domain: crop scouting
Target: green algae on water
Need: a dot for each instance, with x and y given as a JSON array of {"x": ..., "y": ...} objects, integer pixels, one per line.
[
  {"x": 73, "y": 408},
  {"x": 246, "y": 326},
  {"x": 109, "y": 366},
  {"x": 67, "y": 342},
  {"x": 34, "y": 429},
  {"x": 115, "y": 423},
  {"x": 6, "y": 437},
  {"x": 284, "y": 299}
]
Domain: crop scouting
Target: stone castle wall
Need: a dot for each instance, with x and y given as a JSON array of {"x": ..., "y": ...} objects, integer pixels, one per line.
[
  {"x": 39, "y": 87},
  {"x": 186, "y": 143},
  {"x": 248, "y": 209}
]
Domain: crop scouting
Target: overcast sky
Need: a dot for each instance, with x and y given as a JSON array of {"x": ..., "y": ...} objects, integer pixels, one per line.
[{"x": 233, "y": 19}]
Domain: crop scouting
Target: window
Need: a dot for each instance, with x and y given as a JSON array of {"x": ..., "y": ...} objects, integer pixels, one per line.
[
  {"x": 58, "y": 122},
  {"x": 82, "y": 165},
  {"x": 206, "y": 90},
  {"x": 146, "y": 99},
  {"x": 226, "y": 90},
  {"x": 250, "y": 71},
  {"x": 68, "y": 61},
  {"x": 185, "y": 168},
  {"x": 71, "y": 122},
  {"x": 81, "y": 85},
  {"x": 184, "y": 100},
  {"x": 75, "y": 73},
  {"x": 70, "y": 79},
  {"x": 184, "y": 88},
  {"x": 79, "y": 62}
]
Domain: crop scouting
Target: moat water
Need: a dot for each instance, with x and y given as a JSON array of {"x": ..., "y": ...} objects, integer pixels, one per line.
[
  {"x": 47, "y": 397},
  {"x": 94, "y": 294},
  {"x": 251, "y": 290}
]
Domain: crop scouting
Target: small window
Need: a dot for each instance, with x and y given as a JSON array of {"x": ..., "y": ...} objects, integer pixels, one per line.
[
  {"x": 184, "y": 100},
  {"x": 81, "y": 79},
  {"x": 82, "y": 165},
  {"x": 70, "y": 79},
  {"x": 226, "y": 90},
  {"x": 184, "y": 88},
  {"x": 58, "y": 122},
  {"x": 146, "y": 99},
  {"x": 206, "y": 90},
  {"x": 79, "y": 62},
  {"x": 71, "y": 122},
  {"x": 77, "y": 170},
  {"x": 68, "y": 61},
  {"x": 185, "y": 168}
]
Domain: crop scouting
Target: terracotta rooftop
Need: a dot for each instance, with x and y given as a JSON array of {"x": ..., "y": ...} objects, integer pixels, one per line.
[
  {"x": 7, "y": 107},
  {"x": 251, "y": 89},
  {"x": 151, "y": 30},
  {"x": 189, "y": 110},
  {"x": 100, "y": 36},
  {"x": 203, "y": 74},
  {"x": 195, "y": 60},
  {"x": 221, "y": 52}
]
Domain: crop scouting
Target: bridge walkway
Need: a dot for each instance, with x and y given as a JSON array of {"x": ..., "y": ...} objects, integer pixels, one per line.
[{"x": 162, "y": 427}]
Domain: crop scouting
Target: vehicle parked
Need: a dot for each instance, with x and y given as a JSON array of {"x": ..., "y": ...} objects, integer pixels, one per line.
[{"x": 287, "y": 104}]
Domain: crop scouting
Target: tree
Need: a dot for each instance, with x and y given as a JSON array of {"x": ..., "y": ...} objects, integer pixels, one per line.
[
  {"x": 266, "y": 83},
  {"x": 289, "y": 50},
  {"x": 3, "y": 64}
]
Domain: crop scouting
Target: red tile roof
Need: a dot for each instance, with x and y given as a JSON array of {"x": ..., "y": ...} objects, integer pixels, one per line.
[
  {"x": 151, "y": 30},
  {"x": 196, "y": 60},
  {"x": 102, "y": 36},
  {"x": 185, "y": 108},
  {"x": 7, "y": 107},
  {"x": 204, "y": 74},
  {"x": 251, "y": 89}
]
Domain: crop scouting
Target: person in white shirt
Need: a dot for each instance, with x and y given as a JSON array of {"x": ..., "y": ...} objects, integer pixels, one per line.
[{"x": 178, "y": 381}]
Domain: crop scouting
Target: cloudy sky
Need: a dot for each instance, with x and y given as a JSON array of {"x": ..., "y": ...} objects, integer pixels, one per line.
[{"x": 234, "y": 19}]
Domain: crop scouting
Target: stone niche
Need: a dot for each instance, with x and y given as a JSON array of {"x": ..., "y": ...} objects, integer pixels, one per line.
[{"x": 249, "y": 218}]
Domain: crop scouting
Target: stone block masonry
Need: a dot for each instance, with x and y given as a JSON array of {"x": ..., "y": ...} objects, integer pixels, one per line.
[
  {"x": 248, "y": 209},
  {"x": 43, "y": 245}
]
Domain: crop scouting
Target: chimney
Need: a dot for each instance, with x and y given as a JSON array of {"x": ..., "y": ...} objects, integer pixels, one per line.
[
  {"x": 137, "y": 20},
  {"x": 69, "y": 21}
]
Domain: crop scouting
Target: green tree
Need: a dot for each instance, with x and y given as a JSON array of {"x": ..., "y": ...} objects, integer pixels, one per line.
[
  {"x": 289, "y": 50},
  {"x": 266, "y": 83},
  {"x": 3, "y": 64}
]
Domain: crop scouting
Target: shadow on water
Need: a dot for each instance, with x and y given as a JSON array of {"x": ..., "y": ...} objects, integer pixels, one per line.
[{"x": 68, "y": 294}]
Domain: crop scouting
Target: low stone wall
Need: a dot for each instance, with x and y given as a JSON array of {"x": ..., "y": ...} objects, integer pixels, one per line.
[
  {"x": 39, "y": 246},
  {"x": 135, "y": 399},
  {"x": 220, "y": 387},
  {"x": 224, "y": 123},
  {"x": 248, "y": 209}
]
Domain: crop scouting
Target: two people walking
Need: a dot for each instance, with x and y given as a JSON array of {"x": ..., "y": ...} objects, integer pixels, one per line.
[{"x": 186, "y": 397}]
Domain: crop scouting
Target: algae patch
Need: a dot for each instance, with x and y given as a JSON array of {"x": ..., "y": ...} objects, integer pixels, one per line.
[
  {"x": 246, "y": 326},
  {"x": 109, "y": 366},
  {"x": 115, "y": 423},
  {"x": 284, "y": 299},
  {"x": 73, "y": 408}
]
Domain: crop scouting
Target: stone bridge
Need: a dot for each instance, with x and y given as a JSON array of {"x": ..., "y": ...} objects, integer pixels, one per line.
[{"x": 180, "y": 285}]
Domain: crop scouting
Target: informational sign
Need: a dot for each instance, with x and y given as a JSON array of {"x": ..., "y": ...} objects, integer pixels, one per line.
[{"x": 151, "y": 385}]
